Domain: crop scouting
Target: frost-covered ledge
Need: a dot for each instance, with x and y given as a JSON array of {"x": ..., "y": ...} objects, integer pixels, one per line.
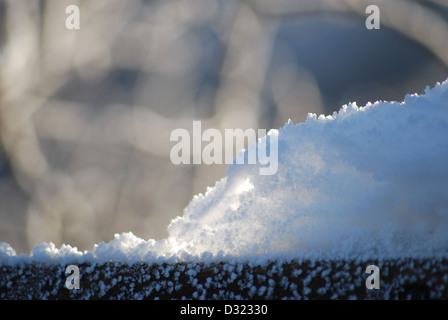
[
  {"x": 297, "y": 279},
  {"x": 364, "y": 186}
]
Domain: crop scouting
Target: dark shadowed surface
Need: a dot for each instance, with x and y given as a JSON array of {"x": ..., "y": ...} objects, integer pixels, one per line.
[{"x": 296, "y": 280}]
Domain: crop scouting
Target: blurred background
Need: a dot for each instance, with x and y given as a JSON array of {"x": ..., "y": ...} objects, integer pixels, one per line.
[{"x": 86, "y": 115}]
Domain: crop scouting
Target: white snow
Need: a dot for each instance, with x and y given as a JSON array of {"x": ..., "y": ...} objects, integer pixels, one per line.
[{"x": 365, "y": 182}]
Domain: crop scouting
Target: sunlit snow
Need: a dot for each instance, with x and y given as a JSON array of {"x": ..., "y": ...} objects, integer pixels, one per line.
[{"x": 364, "y": 182}]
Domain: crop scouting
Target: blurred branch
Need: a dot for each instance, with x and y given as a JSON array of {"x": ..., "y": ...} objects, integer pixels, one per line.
[
  {"x": 242, "y": 76},
  {"x": 19, "y": 74},
  {"x": 408, "y": 17},
  {"x": 440, "y": 2},
  {"x": 27, "y": 80},
  {"x": 414, "y": 21}
]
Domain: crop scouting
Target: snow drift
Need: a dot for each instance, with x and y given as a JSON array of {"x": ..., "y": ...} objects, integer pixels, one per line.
[{"x": 364, "y": 182}]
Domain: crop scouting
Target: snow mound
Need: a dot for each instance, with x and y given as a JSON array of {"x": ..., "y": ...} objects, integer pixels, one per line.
[{"x": 364, "y": 182}]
